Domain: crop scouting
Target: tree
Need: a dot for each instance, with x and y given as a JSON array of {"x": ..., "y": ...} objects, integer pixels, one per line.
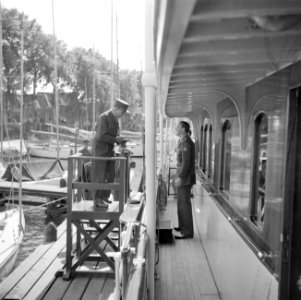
[
  {"x": 75, "y": 71},
  {"x": 37, "y": 54},
  {"x": 131, "y": 91}
]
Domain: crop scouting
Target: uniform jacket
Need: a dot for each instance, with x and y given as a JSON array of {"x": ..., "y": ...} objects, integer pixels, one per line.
[
  {"x": 107, "y": 129},
  {"x": 186, "y": 161}
]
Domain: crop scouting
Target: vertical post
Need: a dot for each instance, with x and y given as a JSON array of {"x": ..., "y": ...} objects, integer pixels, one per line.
[
  {"x": 69, "y": 219},
  {"x": 21, "y": 123},
  {"x": 167, "y": 120},
  {"x": 1, "y": 89},
  {"x": 55, "y": 88},
  {"x": 149, "y": 82},
  {"x": 93, "y": 92},
  {"x": 112, "y": 71},
  {"x": 86, "y": 99},
  {"x": 161, "y": 143},
  {"x": 117, "y": 58}
]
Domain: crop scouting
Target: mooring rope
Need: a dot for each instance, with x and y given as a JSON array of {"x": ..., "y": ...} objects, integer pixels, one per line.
[{"x": 45, "y": 204}]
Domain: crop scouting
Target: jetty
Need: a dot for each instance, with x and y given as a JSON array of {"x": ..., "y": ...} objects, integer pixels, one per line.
[
  {"x": 42, "y": 274},
  {"x": 82, "y": 263}
]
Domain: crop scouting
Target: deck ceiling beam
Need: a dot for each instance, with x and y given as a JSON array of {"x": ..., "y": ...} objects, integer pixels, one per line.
[
  {"x": 241, "y": 57},
  {"x": 200, "y": 89},
  {"x": 219, "y": 46},
  {"x": 235, "y": 60},
  {"x": 196, "y": 83},
  {"x": 191, "y": 77},
  {"x": 210, "y": 10},
  {"x": 208, "y": 70},
  {"x": 206, "y": 79},
  {"x": 229, "y": 33}
]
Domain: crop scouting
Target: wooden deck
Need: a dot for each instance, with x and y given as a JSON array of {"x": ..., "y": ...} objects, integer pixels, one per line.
[
  {"x": 37, "y": 277},
  {"x": 183, "y": 270}
]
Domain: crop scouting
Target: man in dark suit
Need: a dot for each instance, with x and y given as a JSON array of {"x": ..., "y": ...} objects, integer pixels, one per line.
[
  {"x": 107, "y": 134},
  {"x": 184, "y": 181}
]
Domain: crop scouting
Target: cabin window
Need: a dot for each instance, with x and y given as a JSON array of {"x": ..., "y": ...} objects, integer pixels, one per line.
[
  {"x": 260, "y": 157},
  {"x": 201, "y": 147},
  {"x": 205, "y": 149},
  {"x": 225, "y": 158},
  {"x": 209, "y": 152}
]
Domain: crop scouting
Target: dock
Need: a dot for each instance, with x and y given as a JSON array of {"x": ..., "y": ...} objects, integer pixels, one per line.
[
  {"x": 46, "y": 192},
  {"x": 40, "y": 276},
  {"x": 178, "y": 276},
  {"x": 48, "y": 188}
]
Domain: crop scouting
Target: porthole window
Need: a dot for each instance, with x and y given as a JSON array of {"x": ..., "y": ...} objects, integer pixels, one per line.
[
  {"x": 260, "y": 160},
  {"x": 225, "y": 165}
]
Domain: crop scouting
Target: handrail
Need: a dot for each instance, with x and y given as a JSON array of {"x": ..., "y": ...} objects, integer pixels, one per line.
[
  {"x": 136, "y": 287},
  {"x": 131, "y": 260}
]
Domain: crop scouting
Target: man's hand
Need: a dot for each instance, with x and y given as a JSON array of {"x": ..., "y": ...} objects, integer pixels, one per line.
[
  {"x": 120, "y": 140},
  {"x": 178, "y": 181}
]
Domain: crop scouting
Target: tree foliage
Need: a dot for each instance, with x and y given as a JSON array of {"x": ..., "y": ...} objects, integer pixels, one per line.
[{"x": 75, "y": 69}]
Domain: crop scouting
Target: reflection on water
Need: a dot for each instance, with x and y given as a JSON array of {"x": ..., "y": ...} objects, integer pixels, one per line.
[{"x": 35, "y": 226}]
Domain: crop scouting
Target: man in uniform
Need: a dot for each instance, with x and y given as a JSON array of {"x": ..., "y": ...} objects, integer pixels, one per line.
[
  {"x": 107, "y": 134},
  {"x": 85, "y": 149},
  {"x": 185, "y": 179}
]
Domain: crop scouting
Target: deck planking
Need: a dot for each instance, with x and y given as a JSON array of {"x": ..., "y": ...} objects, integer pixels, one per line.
[
  {"x": 181, "y": 276},
  {"x": 36, "y": 277},
  {"x": 183, "y": 269}
]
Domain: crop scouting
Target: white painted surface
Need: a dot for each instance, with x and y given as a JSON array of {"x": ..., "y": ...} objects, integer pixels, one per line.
[{"x": 238, "y": 272}]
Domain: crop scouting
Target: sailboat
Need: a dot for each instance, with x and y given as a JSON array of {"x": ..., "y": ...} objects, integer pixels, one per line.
[
  {"x": 57, "y": 151},
  {"x": 12, "y": 222},
  {"x": 11, "y": 236}
]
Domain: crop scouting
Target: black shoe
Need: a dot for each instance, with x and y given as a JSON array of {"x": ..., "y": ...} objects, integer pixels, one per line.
[
  {"x": 107, "y": 201},
  {"x": 182, "y": 237},
  {"x": 177, "y": 228},
  {"x": 100, "y": 205}
]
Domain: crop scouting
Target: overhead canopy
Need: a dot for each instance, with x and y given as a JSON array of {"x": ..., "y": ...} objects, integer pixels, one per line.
[{"x": 207, "y": 51}]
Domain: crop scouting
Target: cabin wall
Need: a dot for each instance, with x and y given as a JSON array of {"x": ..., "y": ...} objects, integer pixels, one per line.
[
  {"x": 238, "y": 272},
  {"x": 224, "y": 245}
]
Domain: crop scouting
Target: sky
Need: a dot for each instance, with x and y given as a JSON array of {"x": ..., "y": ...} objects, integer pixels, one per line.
[{"x": 87, "y": 23}]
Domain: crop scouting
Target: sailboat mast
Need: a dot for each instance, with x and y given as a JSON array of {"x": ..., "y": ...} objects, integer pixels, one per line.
[
  {"x": 117, "y": 58},
  {"x": 93, "y": 91},
  {"x": 112, "y": 71},
  {"x": 21, "y": 122},
  {"x": 1, "y": 88},
  {"x": 55, "y": 88},
  {"x": 86, "y": 100},
  {"x": 117, "y": 66}
]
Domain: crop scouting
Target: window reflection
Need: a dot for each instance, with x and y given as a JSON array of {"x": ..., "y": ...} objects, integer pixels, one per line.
[
  {"x": 226, "y": 157},
  {"x": 205, "y": 150},
  {"x": 201, "y": 147},
  {"x": 260, "y": 164}
]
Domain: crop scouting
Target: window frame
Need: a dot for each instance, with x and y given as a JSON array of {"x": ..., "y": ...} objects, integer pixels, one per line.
[
  {"x": 224, "y": 128},
  {"x": 255, "y": 169}
]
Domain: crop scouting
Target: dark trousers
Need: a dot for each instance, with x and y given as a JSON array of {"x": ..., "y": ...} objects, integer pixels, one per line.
[
  {"x": 185, "y": 210},
  {"x": 103, "y": 171}
]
